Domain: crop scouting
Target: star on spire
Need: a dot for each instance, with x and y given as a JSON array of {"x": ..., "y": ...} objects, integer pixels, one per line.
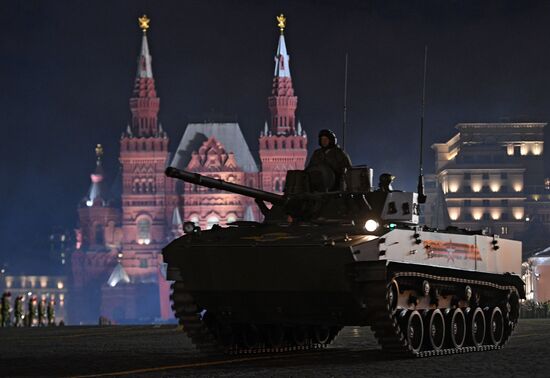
[
  {"x": 144, "y": 23},
  {"x": 281, "y": 22},
  {"x": 99, "y": 153}
]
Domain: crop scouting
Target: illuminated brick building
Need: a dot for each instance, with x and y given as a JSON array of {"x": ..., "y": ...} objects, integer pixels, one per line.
[
  {"x": 118, "y": 263},
  {"x": 492, "y": 177}
]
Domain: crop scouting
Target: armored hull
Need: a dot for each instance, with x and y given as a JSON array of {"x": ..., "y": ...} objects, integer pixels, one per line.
[{"x": 254, "y": 287}]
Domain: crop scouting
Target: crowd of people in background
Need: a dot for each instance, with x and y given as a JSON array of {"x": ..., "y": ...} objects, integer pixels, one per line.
[
  {"x": 532, "y": 309},
  {"x": 39, "y": 313}
]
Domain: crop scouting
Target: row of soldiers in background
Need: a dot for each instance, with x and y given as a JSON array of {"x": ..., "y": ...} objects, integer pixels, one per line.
[
  {"x": 38, "y": 313},
  {"x": 532, "y": 309}
]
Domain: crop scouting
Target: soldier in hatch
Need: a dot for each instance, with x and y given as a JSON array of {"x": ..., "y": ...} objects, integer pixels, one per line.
[{"x": 331, "y": 155}]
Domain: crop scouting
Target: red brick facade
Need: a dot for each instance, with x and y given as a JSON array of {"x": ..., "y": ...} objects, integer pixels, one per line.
[{"x": 118, "y": 263}]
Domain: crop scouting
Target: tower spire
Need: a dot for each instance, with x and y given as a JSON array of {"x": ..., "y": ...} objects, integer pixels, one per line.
[
  {"x": 145, "y": 69},
  {"x": 144, "y": 103},
  {"x": 283, "y": 144},
  {"x": 282, "y": 102},
  {"x": 282, "y": 69},
  {"x": 95, "y": 191}
]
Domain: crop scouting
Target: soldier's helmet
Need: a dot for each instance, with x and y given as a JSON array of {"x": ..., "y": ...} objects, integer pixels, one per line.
[
  {"x": 330, "y": 135},
  {"x": 386, "y": 180}
]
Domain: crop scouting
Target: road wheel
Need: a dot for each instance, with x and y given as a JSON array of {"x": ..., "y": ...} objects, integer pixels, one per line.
[
  {"x": 414, "y": 331},
  {"x": 300, "y": 335},
  {"x": 250, "y": 336},
  {"x": 476, "y": 326},
  {"x": 495, "y": 326},
  {"x": 275, "y": 336},
  {"x": 435, "y": 329},
  {"x": 456, "y": 328},
  {"x": 392, "y": 294},
  {"x": 225, "y": 334},
  {"x": 321, "y": 334}
]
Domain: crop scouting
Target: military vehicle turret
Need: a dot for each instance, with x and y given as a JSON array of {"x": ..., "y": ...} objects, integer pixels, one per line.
[{"x": 333, "y": 252}]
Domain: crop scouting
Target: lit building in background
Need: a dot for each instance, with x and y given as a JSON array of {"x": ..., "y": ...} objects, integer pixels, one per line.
[
  {"x": 117, "y": 267},
  {"x": 491, "y": 176},
  {"x": 536, "y": 275}
]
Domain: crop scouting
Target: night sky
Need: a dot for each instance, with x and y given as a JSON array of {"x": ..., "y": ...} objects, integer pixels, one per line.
[{"x": 67, "y": 71}]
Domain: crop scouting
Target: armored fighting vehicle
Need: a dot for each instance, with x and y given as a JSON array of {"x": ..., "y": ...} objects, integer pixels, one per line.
[{"x": 333, "y": 253}]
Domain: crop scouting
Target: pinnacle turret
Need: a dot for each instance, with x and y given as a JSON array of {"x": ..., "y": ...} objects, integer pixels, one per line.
[{"x": 95, "y": 193}]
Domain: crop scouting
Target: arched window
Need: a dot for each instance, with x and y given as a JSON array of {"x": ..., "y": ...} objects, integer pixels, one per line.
[
  {"x": 212, "y": 220},
  {"x": 143, "y": 231},
  {"x": 277, "y": 187},
  {"x": 99, "y": 234},
  {"x": 291, "y": 144},
  {"x": 275, "y": 145},
  {"x": 231, "y": 218}
]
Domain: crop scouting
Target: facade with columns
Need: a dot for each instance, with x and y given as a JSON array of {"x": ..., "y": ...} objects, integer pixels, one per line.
[
  {"x": 491, "y": 176},
  {"x": 117, "y": 267}
]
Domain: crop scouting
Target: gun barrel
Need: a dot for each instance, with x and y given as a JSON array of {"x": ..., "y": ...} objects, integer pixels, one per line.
[{"x": 213, "y": 183}]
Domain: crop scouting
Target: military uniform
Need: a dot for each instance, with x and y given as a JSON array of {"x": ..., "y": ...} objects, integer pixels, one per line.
[
  {"x": 31, "y": 315},
  {"x": 331, "y": 156},
  {"x": 42, "y": 313},
  {"x": 18, "y": 311},
  {"x": 51, "y": 313},
  {"x": 6, "y": 309}
]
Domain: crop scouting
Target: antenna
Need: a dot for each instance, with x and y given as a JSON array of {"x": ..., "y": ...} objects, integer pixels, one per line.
[
  {"x": 345, "y": 103},
  {"x": 420, "y": 189}
]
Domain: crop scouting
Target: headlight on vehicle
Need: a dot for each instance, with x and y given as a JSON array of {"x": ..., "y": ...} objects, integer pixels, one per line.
[{"x": 371, "y": 225}]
